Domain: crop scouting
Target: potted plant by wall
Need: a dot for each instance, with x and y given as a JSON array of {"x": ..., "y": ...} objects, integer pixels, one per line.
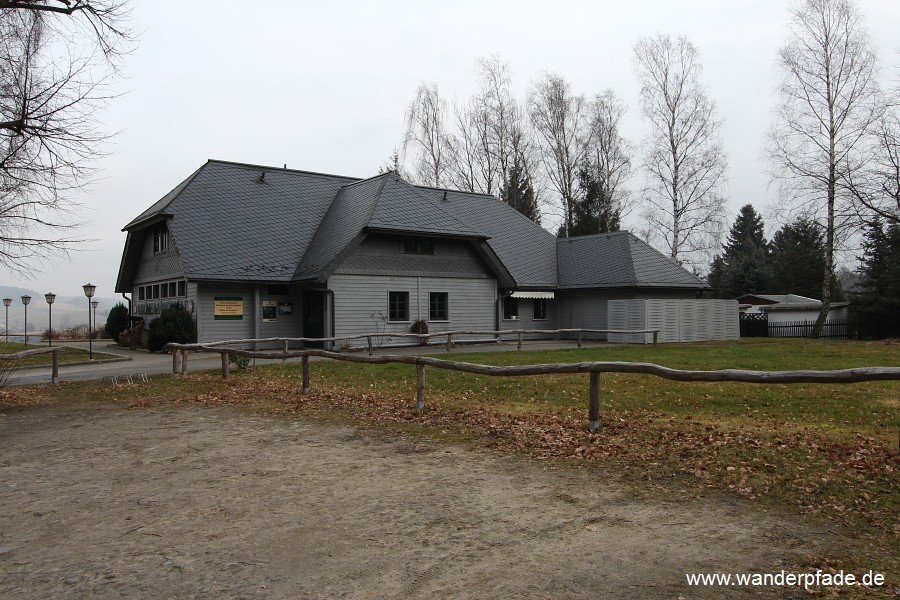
[{"x": 420, "y": 327}]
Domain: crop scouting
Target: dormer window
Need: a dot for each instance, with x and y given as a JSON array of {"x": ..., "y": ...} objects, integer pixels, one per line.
[
  {"x": 160, "y": 239},
  {"x": 417, "y": 246}
]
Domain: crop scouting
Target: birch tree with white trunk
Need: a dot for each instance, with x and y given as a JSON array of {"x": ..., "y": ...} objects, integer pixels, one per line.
[
  {"x": 683, "y": 157},
  {"x": 829, "y": 105}
]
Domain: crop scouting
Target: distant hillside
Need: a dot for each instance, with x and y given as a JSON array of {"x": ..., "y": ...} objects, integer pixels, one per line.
[{"x": 68, "y": 310}]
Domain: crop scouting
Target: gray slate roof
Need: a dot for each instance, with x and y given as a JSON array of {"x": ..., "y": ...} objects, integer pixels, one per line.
[
  {"x": 382, "y": 203},
  {"x": 238, "y": 222},
  {"x": 618, "y": 260},
  {"x": 527, "y": 250}
]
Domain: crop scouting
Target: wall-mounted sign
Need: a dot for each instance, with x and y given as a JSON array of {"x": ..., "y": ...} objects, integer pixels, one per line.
[
  {"x": 285, "y": 308},
  {"x": 228, "y": 309},
  {"x": 269, "y": 311}
]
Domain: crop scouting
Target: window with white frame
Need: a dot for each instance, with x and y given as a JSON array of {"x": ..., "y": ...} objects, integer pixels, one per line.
[
  {"x": 160, "y": 239},
  {"x": 398, "y": 306},
  {"x": 438, "y": 306}
]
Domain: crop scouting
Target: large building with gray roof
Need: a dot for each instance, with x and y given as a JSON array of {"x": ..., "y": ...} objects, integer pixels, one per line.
[{"x": 257, "y": 252}]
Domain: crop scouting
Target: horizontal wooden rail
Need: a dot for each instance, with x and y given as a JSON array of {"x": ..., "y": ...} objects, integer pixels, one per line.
[
  {"x": 855, "y": 375},
  {"x": 423, "y": 337},
  {"x": 54, "y": 370}
]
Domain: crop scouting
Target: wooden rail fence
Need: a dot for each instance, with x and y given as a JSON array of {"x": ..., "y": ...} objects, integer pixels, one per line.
[
  {"x": 54, "y": 370},
  {"x": 423, "y": 338},
  {"x": 594, "y": 369}
]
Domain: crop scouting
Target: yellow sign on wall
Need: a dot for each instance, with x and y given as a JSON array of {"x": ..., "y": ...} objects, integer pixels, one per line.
[{"x": 228, "y": 309}]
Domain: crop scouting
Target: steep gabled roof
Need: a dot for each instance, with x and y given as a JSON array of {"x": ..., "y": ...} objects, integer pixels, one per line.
[
  {"x": 244, "y": 222},
  {"x": 618, "y": 260},
  {"x": 527, "y": 250},
  {"x": 384, "y": 203},
  {"x": 237, "y": 222}
]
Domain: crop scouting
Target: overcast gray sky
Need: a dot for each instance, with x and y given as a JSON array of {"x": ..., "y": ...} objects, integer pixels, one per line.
[{"x": 323, "y": 87}]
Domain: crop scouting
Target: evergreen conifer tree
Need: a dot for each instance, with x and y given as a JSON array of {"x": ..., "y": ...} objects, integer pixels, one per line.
[
  {"x": 743, "y": 266},
  {"x": 519, "y": 193}
]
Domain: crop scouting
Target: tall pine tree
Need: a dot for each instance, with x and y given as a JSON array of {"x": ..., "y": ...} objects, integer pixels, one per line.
[
  {"x": 743, "y": 266},
  {"x": 593, "y": 210},
  {"x": 878, "y": 297},
  {"x": 798, "y": 259},
  {"x": 519, "y": 193}
]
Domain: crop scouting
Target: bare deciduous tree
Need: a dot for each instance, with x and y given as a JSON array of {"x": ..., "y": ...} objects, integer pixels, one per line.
[
  {"x": 427, "y": 136},
  {"x": 559, "y": 120},
  {"x": 684, "y": 159},
  {"x": 608, "y": 152},
  {"x": 472, "y": 166},
  {"x": 829, "y": 104},
  {"x": 56, "y": 59},
  {"x": 876, "y": 189}
]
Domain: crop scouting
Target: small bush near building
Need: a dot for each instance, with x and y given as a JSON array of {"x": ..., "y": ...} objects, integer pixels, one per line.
[
  {"x": 420, "y": 327},
  {"x": 117, "y": 321},
  {"x": 174, "y": 324}
]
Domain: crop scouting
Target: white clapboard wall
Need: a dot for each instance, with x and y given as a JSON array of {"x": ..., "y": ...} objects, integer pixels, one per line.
[{"x": 676, "y": 320}]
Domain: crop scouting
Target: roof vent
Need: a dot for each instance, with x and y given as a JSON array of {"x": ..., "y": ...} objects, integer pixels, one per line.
[
  {"x": 445, "y": 196},
  {"x": 262, "y": 177}
]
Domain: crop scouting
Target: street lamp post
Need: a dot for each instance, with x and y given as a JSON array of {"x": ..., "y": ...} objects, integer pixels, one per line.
[
  {"x": 6, "y": 303},
  {"x": 89, "y": 292},
  {"x": 50, "y": 297},
  {"x": 25, "y": 301},
  {"x": 94, "y": 304}
]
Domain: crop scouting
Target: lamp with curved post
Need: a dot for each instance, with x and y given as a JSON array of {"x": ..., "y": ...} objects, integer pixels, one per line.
[
  {"x": 6, "y": 303},
  {"x": 25, "y": 300},
  {"x": 50, "y": 297},
  {"x": 89, "y": 290}
]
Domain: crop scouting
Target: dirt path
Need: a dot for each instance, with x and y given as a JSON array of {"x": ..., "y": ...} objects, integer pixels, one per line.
[{"x": 216, "y": 503}]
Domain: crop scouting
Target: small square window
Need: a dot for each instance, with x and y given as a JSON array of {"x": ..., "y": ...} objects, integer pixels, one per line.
[
  {"x": 398, "y": 306},
  {"x": 540, "y": 309},
  {"x": 156, "y": 292},
  {"x": 510, "y": 308},
  {"x": 141, "y": 293},
  {"x": 182, "y": 288},
  {"x": 438, "y": 306},
  {"x": 172, "y": 290},
  {"x": 163, "y": 290}
]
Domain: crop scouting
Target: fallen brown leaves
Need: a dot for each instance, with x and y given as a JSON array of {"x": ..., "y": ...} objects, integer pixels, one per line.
[{"x": 851, "y": 480}]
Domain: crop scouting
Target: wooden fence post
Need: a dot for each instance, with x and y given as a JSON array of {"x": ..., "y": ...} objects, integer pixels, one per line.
[
  {"x": 224, "y": 365},
  {"x": 305, "y": 363},
  {"x": 54, "y": 373},
  {"x": 184, "y": 356},
  {"x": 369, "y": 343},
  {"x": 579, "y": 338},
  {"x": 176, "y": 364},
  {"x": 519, "y": 347},
  {"x": 420, "y": 387},
  {"x": 449, "y": 341},
  {"x": 284, "y": 349},
  {"x": 655, "y": 333},
  {"x": 594, "y": 402}
]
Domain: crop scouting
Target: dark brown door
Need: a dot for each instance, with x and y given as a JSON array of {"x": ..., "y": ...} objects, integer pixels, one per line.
[{"x": 314, "y": 316}]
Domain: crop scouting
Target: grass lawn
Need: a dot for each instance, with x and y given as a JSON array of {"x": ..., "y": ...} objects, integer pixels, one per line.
[
  {"x": 827, "y": 451},
  {"x": 68, "y": 355}
]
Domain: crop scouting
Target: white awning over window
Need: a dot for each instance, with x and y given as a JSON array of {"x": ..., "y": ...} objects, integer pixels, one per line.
[{"x": 545, "y": 295}]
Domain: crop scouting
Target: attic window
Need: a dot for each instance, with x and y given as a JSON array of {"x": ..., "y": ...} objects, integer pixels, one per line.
[
  {"x": 417, "y": 246},
  {"x": 160, "y": 239}
]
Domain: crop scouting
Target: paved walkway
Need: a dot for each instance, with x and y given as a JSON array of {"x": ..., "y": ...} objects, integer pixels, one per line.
[{"x": 136, "y": 362}]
